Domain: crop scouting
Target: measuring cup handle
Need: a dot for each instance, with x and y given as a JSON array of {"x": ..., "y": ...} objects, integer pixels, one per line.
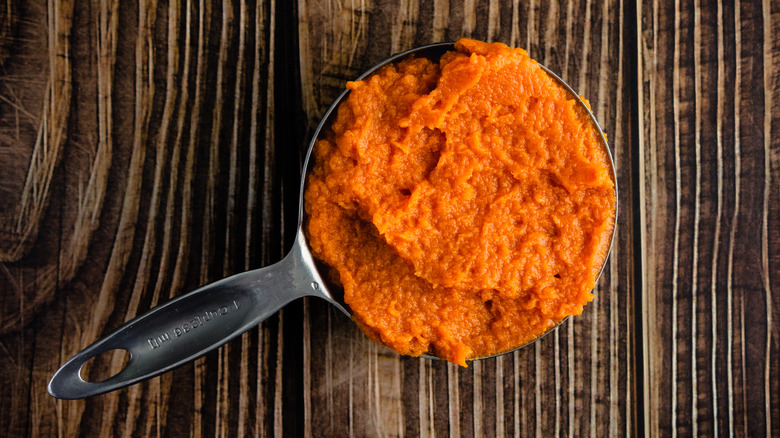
[{"x": 186, "y": 328}]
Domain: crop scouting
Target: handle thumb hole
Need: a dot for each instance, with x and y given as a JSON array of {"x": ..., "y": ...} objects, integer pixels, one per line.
[{"x": 104, "y": 365}]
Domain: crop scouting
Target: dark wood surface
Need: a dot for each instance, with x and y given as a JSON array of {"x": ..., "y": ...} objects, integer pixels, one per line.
[{"x": 150, "y": 147}]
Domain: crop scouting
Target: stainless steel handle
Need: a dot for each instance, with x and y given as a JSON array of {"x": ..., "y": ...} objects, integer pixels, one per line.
[{"x": 194, "y": 324}]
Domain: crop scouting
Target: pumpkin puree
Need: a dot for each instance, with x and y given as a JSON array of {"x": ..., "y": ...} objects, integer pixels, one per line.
[{"x": 466, "y": 207}]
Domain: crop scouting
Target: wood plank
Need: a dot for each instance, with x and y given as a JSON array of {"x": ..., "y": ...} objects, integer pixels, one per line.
[
  {"x": 710, "y": 228},
  {"x": 578, "y": 380},
  {"x": 156, "y": 129}
]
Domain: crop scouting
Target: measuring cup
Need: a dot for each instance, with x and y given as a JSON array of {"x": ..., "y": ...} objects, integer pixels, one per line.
[{"x": 189, "y": 326}]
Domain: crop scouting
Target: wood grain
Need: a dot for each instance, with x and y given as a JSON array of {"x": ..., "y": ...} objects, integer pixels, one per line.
[
  {"x": 149, "y": 147},
  {"x": 559, "y": 385},
  {"x": 710, "y": 210},
  {"x": 147, "y": 120}
]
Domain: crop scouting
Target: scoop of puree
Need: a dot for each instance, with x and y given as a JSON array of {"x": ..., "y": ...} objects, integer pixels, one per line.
[{"x": 466, "y": 207}]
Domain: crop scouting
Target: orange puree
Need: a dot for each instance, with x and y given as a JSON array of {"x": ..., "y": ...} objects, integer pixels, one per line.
[{"x": 466, "y": 207}]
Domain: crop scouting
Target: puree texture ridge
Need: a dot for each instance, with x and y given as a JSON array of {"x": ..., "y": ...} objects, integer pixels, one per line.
[{"x": 465, "y": 206}]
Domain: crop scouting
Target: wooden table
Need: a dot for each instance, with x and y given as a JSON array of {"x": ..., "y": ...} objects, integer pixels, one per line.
[{"x": 147, "y": 148}]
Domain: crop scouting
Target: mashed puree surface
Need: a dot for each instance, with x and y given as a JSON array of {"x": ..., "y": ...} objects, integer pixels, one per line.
[{"x": 466, "y": 206}]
